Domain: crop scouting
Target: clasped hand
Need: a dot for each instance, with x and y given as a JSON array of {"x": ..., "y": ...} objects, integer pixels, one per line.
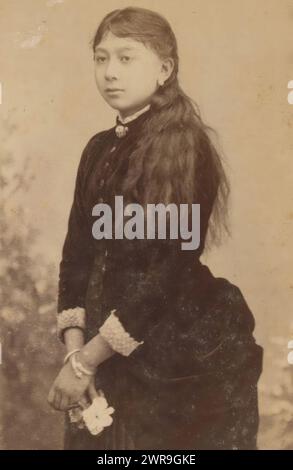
[{"x": 69, "y": 391}]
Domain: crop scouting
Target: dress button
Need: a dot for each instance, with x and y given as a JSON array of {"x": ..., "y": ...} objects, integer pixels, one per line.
[
  {"x": 100, "y": 200},
  {"x": 102, "y": 183},
  {"x": 106, "y": 253},
  {"x": 106, "y": 164},
  {"x": 103, "y": 268},
  {"x": 113, "y": 149}
]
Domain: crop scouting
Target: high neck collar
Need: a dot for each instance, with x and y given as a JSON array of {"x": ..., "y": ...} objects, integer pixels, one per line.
[
  {"x": 132, "y": 117},
  {"x": 134, "y": 125}
]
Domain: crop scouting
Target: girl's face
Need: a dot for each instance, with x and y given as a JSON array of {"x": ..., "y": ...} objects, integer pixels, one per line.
[{"x": 127, "y": 73}]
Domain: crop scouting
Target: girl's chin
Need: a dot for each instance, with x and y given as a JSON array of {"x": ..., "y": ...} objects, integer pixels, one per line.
[{"x": 117, "y": 103}]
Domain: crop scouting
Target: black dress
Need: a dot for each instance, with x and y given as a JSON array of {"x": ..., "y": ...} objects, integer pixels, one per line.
[{"x": 192, "y": 382}]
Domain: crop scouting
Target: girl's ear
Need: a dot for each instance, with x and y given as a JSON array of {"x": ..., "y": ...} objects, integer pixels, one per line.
[{"x": 166, "y": 70}]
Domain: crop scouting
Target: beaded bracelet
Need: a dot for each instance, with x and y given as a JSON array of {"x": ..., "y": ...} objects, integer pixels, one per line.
[
  {"x": 78, "y": 368},
  {"x": 68, "y": 355}
]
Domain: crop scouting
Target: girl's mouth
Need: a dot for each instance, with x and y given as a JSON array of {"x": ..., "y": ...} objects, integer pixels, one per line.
[{"x": 113, "y": 90}]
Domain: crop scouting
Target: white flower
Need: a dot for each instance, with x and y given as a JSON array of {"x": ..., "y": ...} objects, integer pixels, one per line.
[{"x": 97, "y": 415}]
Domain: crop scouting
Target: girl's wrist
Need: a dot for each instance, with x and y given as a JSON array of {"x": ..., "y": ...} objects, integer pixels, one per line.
[
  {"x": 93, "y": 353},
  {"x": 80, "y": 368},
  {"x": 73, "y": 338},
  {"x": 69, "y": 354},
  {"x": 88, "y": 362}
]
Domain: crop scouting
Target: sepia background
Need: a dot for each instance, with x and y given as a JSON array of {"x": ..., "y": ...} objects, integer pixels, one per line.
[{"x": 235, "y": 61}]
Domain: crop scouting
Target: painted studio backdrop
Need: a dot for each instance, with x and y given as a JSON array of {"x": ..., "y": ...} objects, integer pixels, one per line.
[{"x": 236, "y": 63}]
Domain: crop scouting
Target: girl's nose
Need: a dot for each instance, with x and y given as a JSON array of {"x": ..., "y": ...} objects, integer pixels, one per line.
[{"x": 111, "y": 70}]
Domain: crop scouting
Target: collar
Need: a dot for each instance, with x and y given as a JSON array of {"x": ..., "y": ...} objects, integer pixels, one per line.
[{"x": 132, "y": 116}]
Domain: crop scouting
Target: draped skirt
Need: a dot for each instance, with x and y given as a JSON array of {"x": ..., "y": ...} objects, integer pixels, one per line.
[{"x": 192, "y": 385}]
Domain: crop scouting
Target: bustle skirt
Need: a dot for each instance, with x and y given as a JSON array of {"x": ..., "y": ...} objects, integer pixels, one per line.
[{"x": 192, "y": 385}]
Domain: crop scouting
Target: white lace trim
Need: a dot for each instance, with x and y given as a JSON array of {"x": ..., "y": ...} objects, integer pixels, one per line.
[
  {"x": 114, "y": 333},
  {"x": 70, "y": 318},
  {"x": 134, "y": 115}
]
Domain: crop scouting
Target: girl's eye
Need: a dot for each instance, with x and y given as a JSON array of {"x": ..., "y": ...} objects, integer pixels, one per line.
[
  {"x": 100, "y": 59},
  {"x": 125, "y": 57}
]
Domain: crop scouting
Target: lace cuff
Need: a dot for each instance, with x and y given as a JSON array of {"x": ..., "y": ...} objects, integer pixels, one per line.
[
  {"x": 73, "y": 317},
  {"x": 114, "y": 333}
]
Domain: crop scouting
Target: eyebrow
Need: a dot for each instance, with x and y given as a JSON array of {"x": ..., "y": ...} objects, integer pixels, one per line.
[{"x": 119, "y": 49}]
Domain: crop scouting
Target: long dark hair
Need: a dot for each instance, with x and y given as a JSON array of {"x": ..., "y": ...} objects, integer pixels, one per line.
[{"x": 175, "y": 160}]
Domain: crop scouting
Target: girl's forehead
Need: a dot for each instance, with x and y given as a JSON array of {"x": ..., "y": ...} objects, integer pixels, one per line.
[{"x": 110, "y": 42}]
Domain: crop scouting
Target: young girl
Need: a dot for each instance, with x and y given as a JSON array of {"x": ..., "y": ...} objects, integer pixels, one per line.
[{"x": 170, "y": 345}]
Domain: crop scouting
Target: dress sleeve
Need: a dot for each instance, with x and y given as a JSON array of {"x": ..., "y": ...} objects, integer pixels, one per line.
[
  {"x": 74, "y": 268},
  {"x": 143, "y": 276}
]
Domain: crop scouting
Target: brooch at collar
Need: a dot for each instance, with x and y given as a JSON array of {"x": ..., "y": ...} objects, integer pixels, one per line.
[{"x": 121, "y": 130}]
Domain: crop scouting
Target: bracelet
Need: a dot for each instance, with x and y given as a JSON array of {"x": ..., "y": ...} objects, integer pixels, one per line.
[
  {"x": 68, "y": 355},
  {"x": 79, "y": 369}
]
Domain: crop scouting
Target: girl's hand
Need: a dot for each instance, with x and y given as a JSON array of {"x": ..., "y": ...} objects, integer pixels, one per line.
[
  {"x": 91, "y": 393},
  {"x": 67, "y": 389}
]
